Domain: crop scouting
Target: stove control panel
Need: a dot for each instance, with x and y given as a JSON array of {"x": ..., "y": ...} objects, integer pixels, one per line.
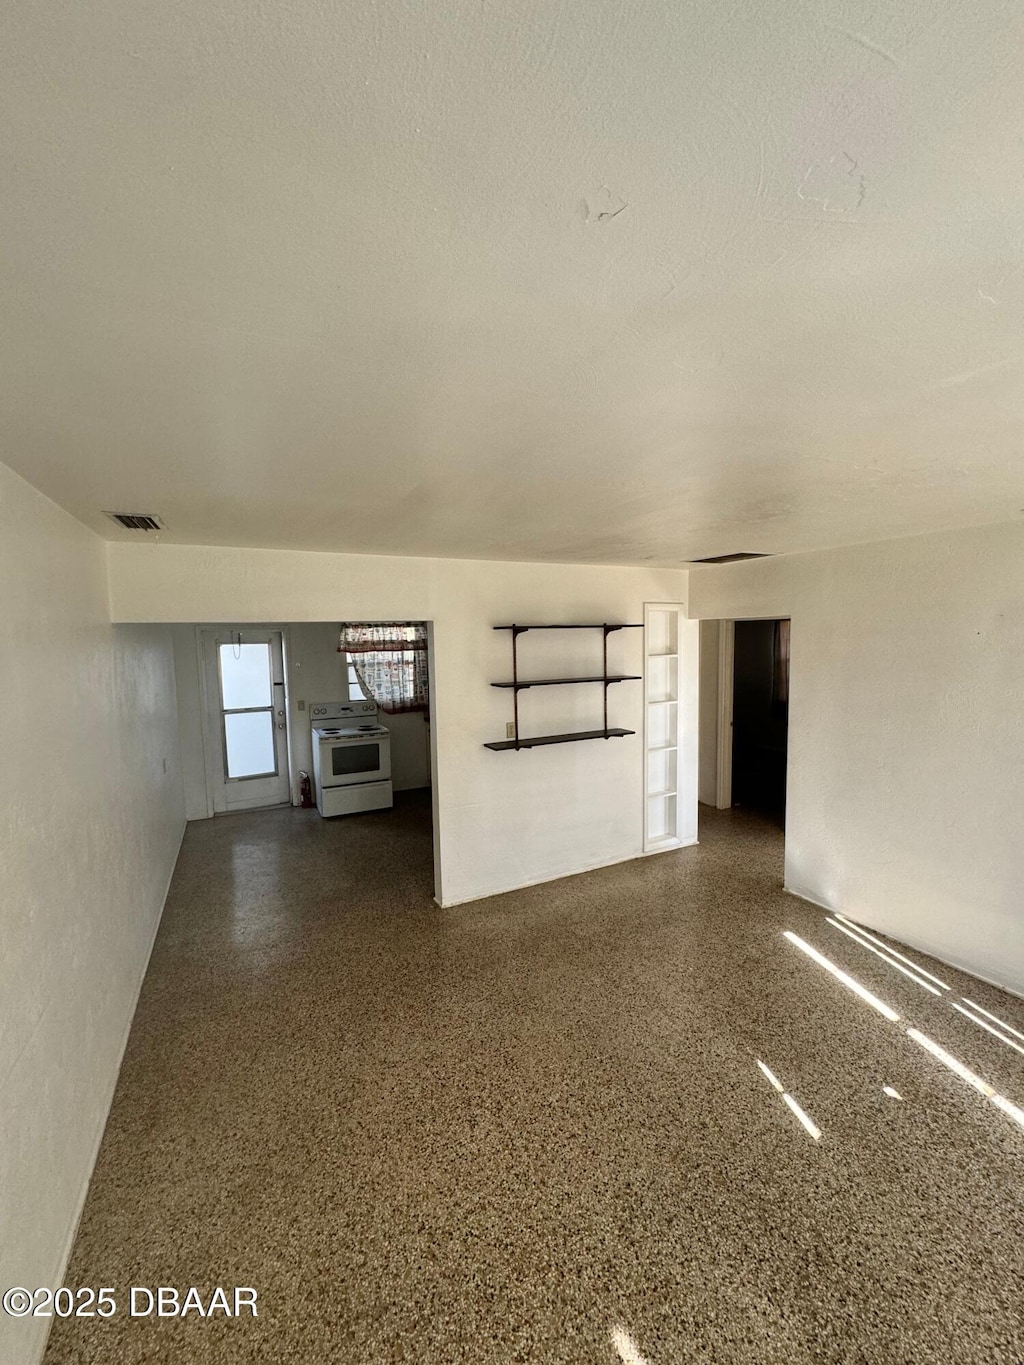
[{"x": 354, "y": 710}]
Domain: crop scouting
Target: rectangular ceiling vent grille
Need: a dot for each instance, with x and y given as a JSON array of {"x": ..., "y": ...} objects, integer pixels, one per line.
[
  {"x": 730, "y": 559},
  {"x": 136, "y": 521}
]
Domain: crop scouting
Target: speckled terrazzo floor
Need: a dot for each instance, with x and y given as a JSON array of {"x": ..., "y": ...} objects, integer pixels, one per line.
[{"x": 504, "y": 1132}]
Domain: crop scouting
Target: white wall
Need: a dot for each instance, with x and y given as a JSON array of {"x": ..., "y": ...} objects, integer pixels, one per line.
[
  {"x": 89, "y": 830},
  {"x": 707, "y": 775},
  {"x": 906, "y": 733},
  {"x": 190, "y": 721},
  {"x": 410, "y": 750},
  {"x": 501, "y": 819},
  {"x": 314, "y": 674}
]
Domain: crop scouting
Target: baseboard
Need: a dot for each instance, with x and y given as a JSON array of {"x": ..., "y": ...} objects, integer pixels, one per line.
[
  {"x": 253, "y": 810},
  {"x": 908, "y": 943},
  {"x": 813, "y": 900},
  {"x": 537, "y": 881},
  {"x": 70, "y": 1239},
  {"x": 669, "y": 848},
  {"x": 561, "y": 876}
]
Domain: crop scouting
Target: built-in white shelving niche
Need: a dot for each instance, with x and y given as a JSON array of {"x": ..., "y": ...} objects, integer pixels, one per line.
[{"x": 669, "y": 806}]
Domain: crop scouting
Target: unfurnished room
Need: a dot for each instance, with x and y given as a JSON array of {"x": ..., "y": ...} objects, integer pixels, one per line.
[{"x": 512, "y": 606}]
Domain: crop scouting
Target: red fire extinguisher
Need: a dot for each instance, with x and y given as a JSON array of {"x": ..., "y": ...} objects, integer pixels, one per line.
[{"x": 305, "y": 791}]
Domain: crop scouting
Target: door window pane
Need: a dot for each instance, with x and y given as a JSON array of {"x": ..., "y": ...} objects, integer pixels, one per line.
[
  {"x": 249, "y": 740},
  {"x": 355, "y": 691},
  {"x": 244, "y": 676},
  {"x": 355, "y": 758}
]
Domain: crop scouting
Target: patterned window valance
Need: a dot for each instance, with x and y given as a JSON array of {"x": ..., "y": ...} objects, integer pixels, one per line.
[{"x": 390, "y": 662}]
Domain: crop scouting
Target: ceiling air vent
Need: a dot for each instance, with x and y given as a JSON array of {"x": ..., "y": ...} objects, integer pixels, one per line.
[
  {"x": 730, "y": 559},
  {"x": 136, "y": 521}
]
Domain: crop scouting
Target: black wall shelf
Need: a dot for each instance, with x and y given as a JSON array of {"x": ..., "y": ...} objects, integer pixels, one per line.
[
  {"x": 601, "y": 625},
  {"x": 516, "y": 685},
  {"x": 557, "y": 739},
  {"x": 566, "y": 682}
]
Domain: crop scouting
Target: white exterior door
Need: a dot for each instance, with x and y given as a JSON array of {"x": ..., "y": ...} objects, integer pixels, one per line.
[{"x": 245, "y": 721}]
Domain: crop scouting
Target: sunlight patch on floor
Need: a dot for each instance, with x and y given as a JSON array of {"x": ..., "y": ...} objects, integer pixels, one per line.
[{"x": 629, "y": 1352}]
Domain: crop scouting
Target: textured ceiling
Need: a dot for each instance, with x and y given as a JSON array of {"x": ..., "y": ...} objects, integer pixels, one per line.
[{"x": 616, "y": 281}]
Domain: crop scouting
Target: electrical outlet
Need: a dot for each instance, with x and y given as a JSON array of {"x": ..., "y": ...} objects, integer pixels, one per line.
[
  {"x": 510, "y": 730},
  {"x": 300, "y": 706}
]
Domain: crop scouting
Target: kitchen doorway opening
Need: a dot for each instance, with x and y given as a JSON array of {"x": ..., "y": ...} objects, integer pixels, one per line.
[
  {"x": 744, "y": 716},
  {"x": 315, "y": 726}
]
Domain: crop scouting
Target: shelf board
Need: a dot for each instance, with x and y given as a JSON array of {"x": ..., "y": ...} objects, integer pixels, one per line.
[
  {"x": 661, "y": 748},
  {"x": 562, "y": 682},
  {"x": 662, "y": 701},
  {"x": 660, "y": 841},
  {"x": 536, "y": 740},
  {"x": 599, "y": 625}
]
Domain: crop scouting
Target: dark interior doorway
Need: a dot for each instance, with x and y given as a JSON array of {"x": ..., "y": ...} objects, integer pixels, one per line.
[{"x": 760, "y": 728}]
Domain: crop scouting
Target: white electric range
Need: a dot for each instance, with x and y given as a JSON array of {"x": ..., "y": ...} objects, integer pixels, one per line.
[{"x": 351, "y": 758}]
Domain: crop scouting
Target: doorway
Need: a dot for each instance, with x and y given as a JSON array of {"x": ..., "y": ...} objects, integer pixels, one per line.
[
  {"x": 760, "y": 716},
  {"x": 245, "y": 718},
  {"x": 744, "y": 715},
  {"x": 240, "y": 754}
]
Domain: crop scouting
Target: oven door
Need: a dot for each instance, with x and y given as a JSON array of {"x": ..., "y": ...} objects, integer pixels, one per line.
[{"x": 345, "y": 762}]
